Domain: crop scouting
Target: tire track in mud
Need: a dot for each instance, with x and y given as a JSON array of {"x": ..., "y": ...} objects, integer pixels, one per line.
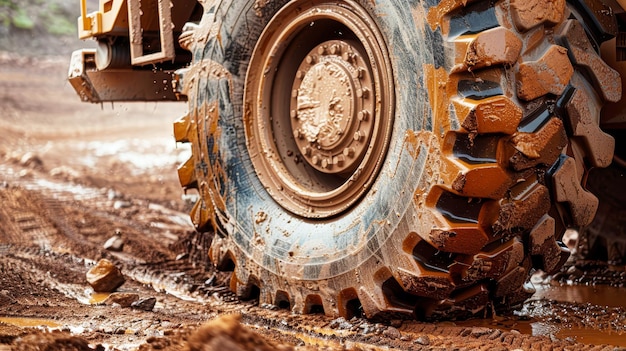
[
  {"x": 20, "y": 223},
  {"x": 74, "y": 213}
]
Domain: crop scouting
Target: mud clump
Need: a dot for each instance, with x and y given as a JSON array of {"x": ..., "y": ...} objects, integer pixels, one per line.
[
  {"x": 224, "y": 333},
  {"x": 115, "y": 243},
  {"x": 53, "y": 341},
  {"x": 122, "y": 299},
  {"x": 31, "y": 160},
  {"x": 227, "y": 333},
  {"x": 105, "y": 276}
]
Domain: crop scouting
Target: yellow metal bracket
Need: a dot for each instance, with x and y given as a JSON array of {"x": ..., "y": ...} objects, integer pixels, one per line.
[
  {"x": 167, "y": 52},
  {"x": 89, "y": 25}
]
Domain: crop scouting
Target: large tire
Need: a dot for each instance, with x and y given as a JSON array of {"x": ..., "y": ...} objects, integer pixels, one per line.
[{"x": 481, "y": 120}]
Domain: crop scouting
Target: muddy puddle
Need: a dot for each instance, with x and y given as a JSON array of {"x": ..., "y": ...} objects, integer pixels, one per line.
[
  {"x": 29, "y": 322},
  {"x": 537, "y": 319},
  {"x": 600, "y": 295},
  {"x": 536, "y": 327},
  {"x": 97, "y": 298}
]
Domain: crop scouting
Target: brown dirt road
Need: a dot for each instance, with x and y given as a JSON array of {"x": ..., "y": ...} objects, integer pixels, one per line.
[{"x": 73, "y": 175}]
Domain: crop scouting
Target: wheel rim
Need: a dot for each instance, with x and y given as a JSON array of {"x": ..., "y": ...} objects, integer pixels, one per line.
[{"x": 318, "y": 106}]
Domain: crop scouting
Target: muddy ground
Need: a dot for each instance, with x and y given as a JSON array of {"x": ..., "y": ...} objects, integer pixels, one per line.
[{"x": 74, "y": 175}]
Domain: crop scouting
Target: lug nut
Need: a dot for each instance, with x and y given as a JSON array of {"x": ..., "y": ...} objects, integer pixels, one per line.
[
  {"x": 363, "y": 115},
  {"x": 306, "y": 151},
  {"x": 310, "y": 59},
  {"x": 339, "y": 160},
  {"x": 321, "y": 50},
  {"x": 348, "y": 152},
  {"x": 358, "y": 135},
  {"x": 294, "y": 114},
  {"x": 335, "y": 49},
  {"x": 316, "y": 160},
  {"x": 362, "y": 93},
  {"x": 358, "y": 73}
]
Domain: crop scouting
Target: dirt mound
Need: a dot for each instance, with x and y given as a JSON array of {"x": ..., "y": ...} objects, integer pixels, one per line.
[
  {"x": 223, "y": 333},
  {"x": 44, "y": 341}
]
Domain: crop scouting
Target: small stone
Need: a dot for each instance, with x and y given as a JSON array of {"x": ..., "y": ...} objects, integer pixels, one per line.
[
  {"x": 392, "y": 333},
  {"x": 115, "y": 243},
  {"x": 112, "y": 194},
  {"x": 570, "y": 238},
  {"x": 119, "y": 204},
  {"x": 25, "y": 173},
  {"x": 31, "y": 160},
  {"x": 340, "y": 323},
  {"x": 574, "y": 272},
  {"x": 396, "y": 323},
  {"x": 105, "y": 276},
  {"x": 423, "y": 340},
  {"x": 145, "y": 304},
  {"x": 64, "y": 172},
  {"x": 123, "y": 299}
]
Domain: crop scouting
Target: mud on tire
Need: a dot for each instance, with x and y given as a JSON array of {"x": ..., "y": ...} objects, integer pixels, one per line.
[{"x": 493, "y": 107}]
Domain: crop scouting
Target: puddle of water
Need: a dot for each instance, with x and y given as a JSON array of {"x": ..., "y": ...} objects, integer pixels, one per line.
[
  {"x": 562, "y": 332},
  {"x": 582, "y": 335},
  {"x": 97, "y": 298},
  {"x": 29, "y": 322},
  {"x": 597, "y": 295},
  {"x": 605, "y": 296}
]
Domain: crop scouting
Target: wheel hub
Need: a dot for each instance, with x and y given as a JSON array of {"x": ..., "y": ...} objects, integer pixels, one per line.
[
  {"x": 318, "y": 106},
  {"x": 330, "y": 107}
]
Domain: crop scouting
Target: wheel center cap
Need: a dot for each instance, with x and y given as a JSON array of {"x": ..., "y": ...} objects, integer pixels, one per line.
[
  {"x": 324, "y": 103},
  {"x": 330, "y": 107}
]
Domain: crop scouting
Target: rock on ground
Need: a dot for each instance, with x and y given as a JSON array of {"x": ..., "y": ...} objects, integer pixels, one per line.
[{"x": 105, "y": 276}]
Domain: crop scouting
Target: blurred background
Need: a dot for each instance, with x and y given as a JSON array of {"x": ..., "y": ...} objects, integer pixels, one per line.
[{"x": 40, "y": 27}]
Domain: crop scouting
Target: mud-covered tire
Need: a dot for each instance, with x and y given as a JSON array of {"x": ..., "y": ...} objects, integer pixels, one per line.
[{"x": 494, "y": 111}]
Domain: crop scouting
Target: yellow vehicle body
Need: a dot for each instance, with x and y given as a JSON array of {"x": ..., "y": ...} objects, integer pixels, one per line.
[
  {"x": 140, "y": 20},
  {"x": 136, "y": 43}
]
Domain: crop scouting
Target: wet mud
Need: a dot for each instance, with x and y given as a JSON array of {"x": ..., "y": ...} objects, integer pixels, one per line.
[{"x": 72, "y": 176}]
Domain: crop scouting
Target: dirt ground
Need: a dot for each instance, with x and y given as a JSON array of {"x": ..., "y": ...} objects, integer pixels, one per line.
[{"x": 74, "y": 175}]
